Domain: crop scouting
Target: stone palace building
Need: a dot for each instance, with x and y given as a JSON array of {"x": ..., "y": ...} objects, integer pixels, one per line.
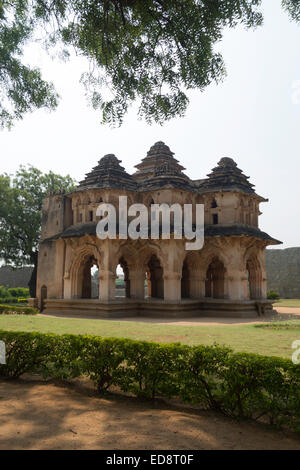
[{"x": 227, "y": 277}]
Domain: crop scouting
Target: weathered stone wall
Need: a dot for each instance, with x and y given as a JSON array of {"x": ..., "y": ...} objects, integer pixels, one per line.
[
  {"x": 19, "y": 277},
  {"x": 283, "y": 271}
]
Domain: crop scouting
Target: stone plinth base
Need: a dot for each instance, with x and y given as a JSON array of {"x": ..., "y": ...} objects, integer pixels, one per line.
[
  {"x": 33, "y": 302},
  {"x": 158, "y": 308}
]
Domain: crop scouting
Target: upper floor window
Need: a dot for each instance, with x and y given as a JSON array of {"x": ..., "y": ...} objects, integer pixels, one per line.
[
  {"x": 214, "y": 204},
  {"x": 91, "y": 216}
]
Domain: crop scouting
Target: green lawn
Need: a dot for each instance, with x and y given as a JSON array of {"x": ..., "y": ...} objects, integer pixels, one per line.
[
  {"x": 268, "y": 341},
  {"x": 288, "y": 303}
]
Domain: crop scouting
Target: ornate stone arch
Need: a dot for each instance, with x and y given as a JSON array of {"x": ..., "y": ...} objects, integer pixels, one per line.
[
  {"x": 253, "y": 268},
  {"x": 144, "y": 252},
  {"x": 210, "y": 254},
  {"x": 79, "y": 259},
  {"x": 148, "y": 200}
]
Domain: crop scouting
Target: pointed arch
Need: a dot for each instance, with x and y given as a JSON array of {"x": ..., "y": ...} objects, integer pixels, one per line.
[
  {"x": 215, "y": 279},
  {"x": 254, "y": 276},
  {"x": 83, "y": 259}
]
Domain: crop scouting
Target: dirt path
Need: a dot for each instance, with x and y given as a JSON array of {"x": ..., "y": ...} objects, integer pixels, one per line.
[
  {"x": 289, "y": 310},
  {"x": 40, "y": 415}
]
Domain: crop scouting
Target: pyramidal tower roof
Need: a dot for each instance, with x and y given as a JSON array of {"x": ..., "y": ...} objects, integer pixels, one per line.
[
  {"x": 160, "y": 169},
  {"x": 108, "y": 174},
  {"x": 227, "y": 176}
]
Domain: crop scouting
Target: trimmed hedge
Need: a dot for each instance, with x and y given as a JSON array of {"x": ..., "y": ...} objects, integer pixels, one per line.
[
  {"x": 14, "y": 292},
  {"x": 13, "y": 300},
  {"x": 17, "y": 310},
  {"x": 240, "y": 385},
  {"x": 18, "y": 291}
]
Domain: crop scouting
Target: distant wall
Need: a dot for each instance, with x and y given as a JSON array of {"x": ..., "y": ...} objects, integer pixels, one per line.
[
  {"x": 283, "y": 272},
  {"x": 15, "y": 277}
]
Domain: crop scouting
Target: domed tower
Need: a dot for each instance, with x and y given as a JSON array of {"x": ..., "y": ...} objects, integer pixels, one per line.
[
  {"x": 108, "y": 174},
  {"x": 160, "y": 169},
  {"x": 229, "y": 196},
  {"x": 160, "y": 177},
  {"x": 237, "y": 270}
]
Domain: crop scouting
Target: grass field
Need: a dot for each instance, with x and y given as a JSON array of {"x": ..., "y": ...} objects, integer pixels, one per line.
[
  {"x": 294, "y": 303},
  {"x": 272, "y": 341}
]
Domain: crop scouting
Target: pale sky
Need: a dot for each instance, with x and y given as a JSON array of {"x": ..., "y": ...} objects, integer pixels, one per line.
[{"x": 252, "y": 117}]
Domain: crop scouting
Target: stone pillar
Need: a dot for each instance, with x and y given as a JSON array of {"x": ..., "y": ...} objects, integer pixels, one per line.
[
  {"x": 137, "y": 282},
  {"x": 245, "y": 283},
  {"x": 107, "y": 281},
  {"x": 67, "y": 279},
  {"x": 235, "y": 287},
  {"x": 59, "y": 268},
  {"x": 172, "y": 286},
  {"x": 67, "y": 286},
  {"x": 197, "y": 285},
  {"x": 264, "y": 285}
]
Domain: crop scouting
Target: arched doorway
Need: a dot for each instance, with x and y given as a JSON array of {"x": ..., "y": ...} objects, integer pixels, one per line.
[
  {"x": 155, "y": 281},
  {"x": 89, "y": 282},
  {"x": 122, "y": 280},
  {"x": 43, "y": 297},
  {"x": 215, "y": 277},
  {"x": 185, "y": 281},
  {"x": 254, "y": 279},
  {"x": 83, "y": 279}
]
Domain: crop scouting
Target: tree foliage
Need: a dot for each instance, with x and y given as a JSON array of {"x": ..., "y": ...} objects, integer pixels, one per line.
[
  {"x": 21, "y": 200},
  {"x": 145, "y": 51},
  {"x": 293, "y": 8},
  {"x": 22, "y": 88}
]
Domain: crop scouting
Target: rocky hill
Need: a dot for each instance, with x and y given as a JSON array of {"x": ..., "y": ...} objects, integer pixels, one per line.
[
  {"x": 283, "y": 271},
  {"x": 18, "y": 277}
]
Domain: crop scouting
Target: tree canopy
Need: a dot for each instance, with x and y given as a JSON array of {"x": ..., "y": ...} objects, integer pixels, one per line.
[
  {"x": 145, "y": 51},
  {"x": 21, "y": 198}
]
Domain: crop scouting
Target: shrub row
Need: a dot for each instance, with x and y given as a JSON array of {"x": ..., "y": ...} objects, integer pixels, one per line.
[
  {"x": 17, "y": 310},
  {"x": 13, "y": 300},
  {"x": 239, "y": 385},
  {"x": 14, "y": 292}
]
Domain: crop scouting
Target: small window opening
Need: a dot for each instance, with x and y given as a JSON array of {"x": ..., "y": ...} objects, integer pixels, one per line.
[
  {"x": 91, "y": 215},
  {"x": 214, "y": 204},
  {"x": 215, "y": 219}
]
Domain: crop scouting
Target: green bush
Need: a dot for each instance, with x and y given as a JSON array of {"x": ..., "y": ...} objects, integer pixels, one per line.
[
  {"x": 13, "y": 300},
  {"x": 17, "y": 310},
  {"x": 4, "y": 292},
  {"x": 240, "y": 385},
  {"x": 18, "y": 291},
  {"x": 25, "y": 353},
  {"x": 273, "y": 295},
  {"x": 8, "y": 300},
  {"x": 14, "y": 292}
]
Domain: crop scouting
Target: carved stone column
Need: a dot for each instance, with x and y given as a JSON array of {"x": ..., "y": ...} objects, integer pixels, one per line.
[
  {"x": 235, "y": 284},
  {"x": 172, "y": 286},
  {"x": 137, "y": 282},
  {"x": 107, "y": 281},
  {"x": 197, "y": 285}
]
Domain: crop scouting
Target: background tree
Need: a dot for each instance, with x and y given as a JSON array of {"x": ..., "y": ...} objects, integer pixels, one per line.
[{"x": 21, "y": 199}]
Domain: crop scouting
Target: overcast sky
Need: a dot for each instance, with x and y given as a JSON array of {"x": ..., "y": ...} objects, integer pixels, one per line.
[{"x": 253, "y": 117}]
